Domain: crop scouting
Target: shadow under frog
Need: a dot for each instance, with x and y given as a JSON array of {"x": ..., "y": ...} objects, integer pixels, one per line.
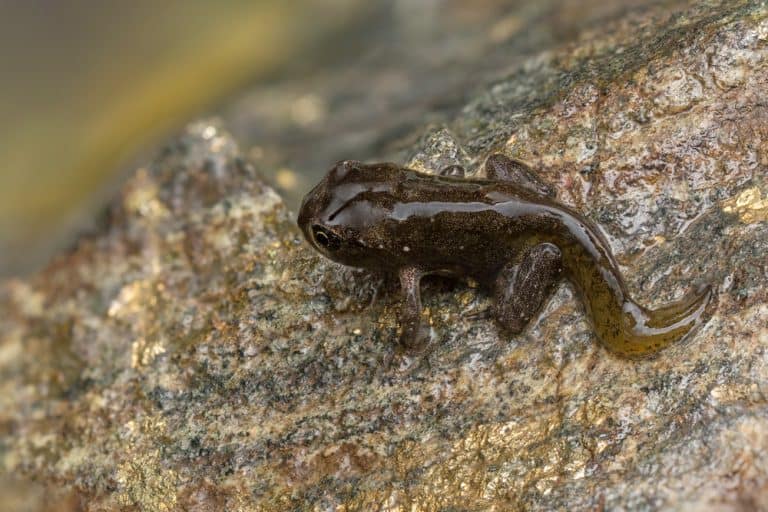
[{"x": 506, "y": 231}]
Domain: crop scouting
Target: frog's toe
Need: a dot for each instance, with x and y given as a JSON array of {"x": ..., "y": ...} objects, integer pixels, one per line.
[{"x": 416, "y": 338}]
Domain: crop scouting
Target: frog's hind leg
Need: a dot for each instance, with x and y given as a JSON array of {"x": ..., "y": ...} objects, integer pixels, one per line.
[
  {"x": 502, "y": 168},
  {"x": 522, "y": 287},
  {"x": 454, "y": 171}
]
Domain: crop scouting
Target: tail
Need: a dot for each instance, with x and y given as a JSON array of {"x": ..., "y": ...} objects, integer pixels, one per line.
[
  {"x": 644, "y": 332},
  {"x": 623, "y": 326}
]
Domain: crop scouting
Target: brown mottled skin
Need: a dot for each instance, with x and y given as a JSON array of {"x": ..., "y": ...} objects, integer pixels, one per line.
[{"x": 507, "y": 231}]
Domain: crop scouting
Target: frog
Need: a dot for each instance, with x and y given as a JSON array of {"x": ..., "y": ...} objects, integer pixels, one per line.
[{"x": 506, "y": 231}]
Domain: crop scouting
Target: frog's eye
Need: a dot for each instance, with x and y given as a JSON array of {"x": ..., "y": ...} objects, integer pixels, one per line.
[{"x": 326, "y": 238}]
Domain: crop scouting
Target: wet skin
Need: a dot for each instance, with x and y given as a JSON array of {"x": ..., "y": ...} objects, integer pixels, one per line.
[{"x": 507, "y": 231}]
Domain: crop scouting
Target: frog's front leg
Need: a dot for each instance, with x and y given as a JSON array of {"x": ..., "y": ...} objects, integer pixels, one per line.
[
  {"x": 502, "y": 168},
  {"x": 521, "y": 288},
  {"x": 415, "y": 335}
]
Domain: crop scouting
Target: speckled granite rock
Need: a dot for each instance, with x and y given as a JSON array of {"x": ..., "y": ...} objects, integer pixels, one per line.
[{"x": 195, "y": 354}]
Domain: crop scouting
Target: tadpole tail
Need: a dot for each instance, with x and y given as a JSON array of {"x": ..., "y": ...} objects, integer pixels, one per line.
[
  {"x": 623, "y": 326},
  {"x": 644, "y": 331}
]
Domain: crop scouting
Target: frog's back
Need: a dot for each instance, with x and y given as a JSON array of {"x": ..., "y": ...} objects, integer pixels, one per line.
[{"x": 416, "y": 186}]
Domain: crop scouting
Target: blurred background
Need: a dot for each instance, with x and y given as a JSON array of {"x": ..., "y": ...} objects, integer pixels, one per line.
[{"x": 90, "y": 89}]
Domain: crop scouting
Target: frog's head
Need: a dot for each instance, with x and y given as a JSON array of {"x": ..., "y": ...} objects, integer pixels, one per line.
[{"x": 344, "y": 216}]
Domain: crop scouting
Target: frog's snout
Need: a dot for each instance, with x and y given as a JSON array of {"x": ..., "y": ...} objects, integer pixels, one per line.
[{"x": 304, "y": 216}]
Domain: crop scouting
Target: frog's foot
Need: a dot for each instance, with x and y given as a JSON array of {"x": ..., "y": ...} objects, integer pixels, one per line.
[
  {"x": 416, "y": 337},
  {"x": 502, "y": 168},
  {"x": 455, "y": 171},
  {"x": 520, "y": 289},
  {"x": 404, "y": 360},
  {"x": 415, "y": 331}
]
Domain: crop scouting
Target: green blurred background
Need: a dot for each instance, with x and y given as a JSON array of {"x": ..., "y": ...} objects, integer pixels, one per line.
[{"x": 89, "y": 87}]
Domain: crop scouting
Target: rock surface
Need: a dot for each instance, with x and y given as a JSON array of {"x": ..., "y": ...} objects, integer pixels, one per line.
[{"x": 195, "y": 354}]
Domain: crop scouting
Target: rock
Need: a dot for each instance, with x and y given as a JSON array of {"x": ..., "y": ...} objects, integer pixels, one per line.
[{"x": 196, "y": 354}]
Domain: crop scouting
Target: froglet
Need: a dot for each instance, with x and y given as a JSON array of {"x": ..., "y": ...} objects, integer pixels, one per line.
[{"x": 506, "y": 231}]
